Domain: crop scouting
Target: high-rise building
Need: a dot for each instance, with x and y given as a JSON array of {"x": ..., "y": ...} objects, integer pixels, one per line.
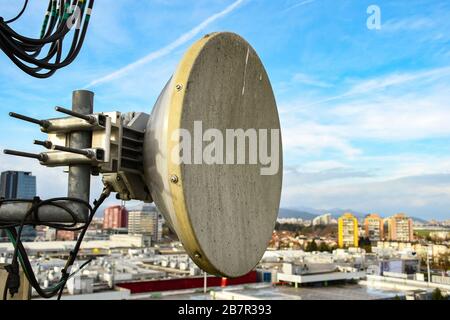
[
  {"x": 322, "y": 220},
  {"x": 145, "y": 219},
  {"x": 115, "y": 217},
  {"x": 348, "y": 231},
  {"x": 374, "y": 227},
  {"x": 401, "y": 228},
  {"x": 19, "y": 185}
]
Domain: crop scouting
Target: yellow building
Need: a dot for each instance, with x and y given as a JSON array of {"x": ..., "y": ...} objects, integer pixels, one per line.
[{"x": 348, "y": 231}]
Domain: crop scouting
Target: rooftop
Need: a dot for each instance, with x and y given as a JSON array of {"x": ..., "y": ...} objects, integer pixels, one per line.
[{"x": 268, "y": 292}]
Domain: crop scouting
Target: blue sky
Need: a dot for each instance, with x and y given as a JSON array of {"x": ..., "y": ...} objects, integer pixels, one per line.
[{"x": 365, "y": 113}]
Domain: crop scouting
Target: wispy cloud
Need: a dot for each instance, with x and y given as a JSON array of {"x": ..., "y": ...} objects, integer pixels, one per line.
[
  {"x": 408, "y": 24},
  {"x": 414, "y": 195},
  {"x": 306, "y": 79},
  {"x": 299, "y": 4},
  {"x": 397, "y": 79},
  {"x": 167, "y": 49},
  {"x": 380, "y": 114},
  {"x": 387, "y": 81},
  {"x": 300, "y": 176},
  {"x": 313, "y": 138},
  {"x": 407, "y": 117}
]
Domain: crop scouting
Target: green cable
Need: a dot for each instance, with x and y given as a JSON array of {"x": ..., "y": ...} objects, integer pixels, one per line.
[
  {"x": 66, "y": 11},
  {"x": 44, "y": 24},
  {"x": 13, "y": 241},
  {"x": 54, "y": 9},
  {"x": 54, "y": 287},
  {"x": 11, "y": 238}
]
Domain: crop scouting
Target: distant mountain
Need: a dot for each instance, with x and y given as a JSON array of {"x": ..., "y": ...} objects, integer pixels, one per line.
[
  {"x": 292, "y": 213},
  {"x": 415, "y": 219},
  {"x": 336, "y": 212},
  {"x": 306, "y": 213},
  {"x": 311, "y": 213}
]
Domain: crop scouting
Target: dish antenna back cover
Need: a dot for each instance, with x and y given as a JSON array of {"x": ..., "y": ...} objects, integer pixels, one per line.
[{"x": 223, "y": 214}]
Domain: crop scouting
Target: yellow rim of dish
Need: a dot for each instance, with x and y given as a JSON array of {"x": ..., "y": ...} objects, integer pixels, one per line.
[{"x": 180, "y": 78}]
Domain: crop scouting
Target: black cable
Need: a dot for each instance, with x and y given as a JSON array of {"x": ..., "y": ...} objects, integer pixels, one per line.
[
  {"x": 74, "y": 253},
  {"x": 60, "y": 19},
  {"x": 13, "y": 276},
  {"x": 20, "y": 13},
  {"x": 62, "y": 30},
  {"x": 17, "y": 48},
  {"x": 42, "y": 63},
  {"x": 20, "y": 252},
  {"x": 26, "y": 265}
]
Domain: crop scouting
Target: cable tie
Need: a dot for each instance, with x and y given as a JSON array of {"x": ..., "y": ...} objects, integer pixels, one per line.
[{"x": 35, "y": 205}]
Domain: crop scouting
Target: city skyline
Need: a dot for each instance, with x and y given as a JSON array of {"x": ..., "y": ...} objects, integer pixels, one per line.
[
  {"x": 364, "y": 121},
  {"x": 303, "y": 210}
]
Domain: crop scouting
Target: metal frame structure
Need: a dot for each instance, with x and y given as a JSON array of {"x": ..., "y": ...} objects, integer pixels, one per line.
[{"x": 88, "y": 144}]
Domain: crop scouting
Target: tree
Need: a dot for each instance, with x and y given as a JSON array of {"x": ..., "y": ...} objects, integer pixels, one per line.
[
  {"x": 288, "y": 227},
  {"x": 323, "y": 247},
  {"x": 311, "y": 246},
  {"x": 437, "y": 295},
  {"x": 444, "y": 261},
  {"x": 368, "y": 248},
  {"x": 364, "y": 243}
]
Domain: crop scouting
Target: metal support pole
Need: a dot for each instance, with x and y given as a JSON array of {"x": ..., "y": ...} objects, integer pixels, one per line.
[{"x": 80, "y": 175}]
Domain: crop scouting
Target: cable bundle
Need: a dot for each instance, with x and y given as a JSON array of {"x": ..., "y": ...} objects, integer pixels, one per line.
[
  {"x": 61, "y": 17},
  {"x": 20, "y": 255}
]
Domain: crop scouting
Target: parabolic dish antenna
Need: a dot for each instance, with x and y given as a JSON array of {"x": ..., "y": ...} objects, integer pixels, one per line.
[
  {"x": 209, "y": 156},
  {"x": 224, "y": 214}
]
